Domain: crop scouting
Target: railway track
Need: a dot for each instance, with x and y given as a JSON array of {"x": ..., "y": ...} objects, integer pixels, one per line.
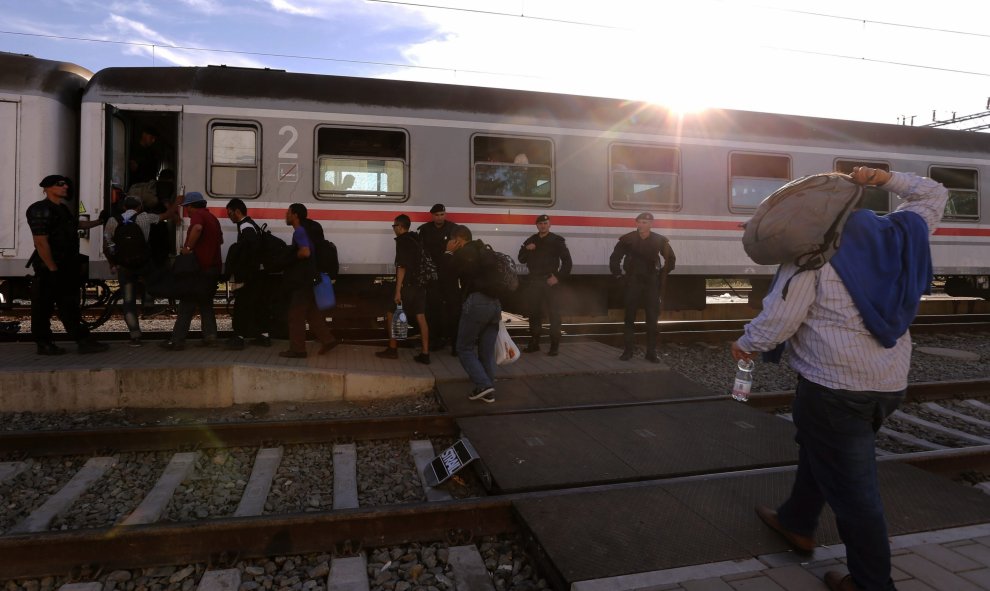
[{"x": 32, "y": 546}]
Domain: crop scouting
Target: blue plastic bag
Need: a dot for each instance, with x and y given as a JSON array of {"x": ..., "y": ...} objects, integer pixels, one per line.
[{"x": 323, "y": 292}]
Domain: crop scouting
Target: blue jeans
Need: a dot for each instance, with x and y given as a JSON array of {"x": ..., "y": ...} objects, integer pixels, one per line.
[
  {"x": 130, "y": 281},
  {"x": 479, "y": 328},
  {"x": 836, "y": 431}
]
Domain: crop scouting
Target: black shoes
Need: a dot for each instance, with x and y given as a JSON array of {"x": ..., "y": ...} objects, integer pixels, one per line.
[
  {"x": 532, "y": 348},
  {"x": 327, "y": 347},
  {"x": 89, "y": 346},
  {"x": 262, "y": 341},
  {"x": 388, "y": 353},
  {"x": 626, "y": 355},
  {"x": 50, "y": 349},
  {"x": 423, "y": 358},
  {"x": 135, "y": 342},
  {"x": 483, "y": 394},
  {"x": 553, "y": 352},
  {"x": 651, "y": 356},
  {"x": 172, "y": 346},
  {"x": 292, "y": 354}
]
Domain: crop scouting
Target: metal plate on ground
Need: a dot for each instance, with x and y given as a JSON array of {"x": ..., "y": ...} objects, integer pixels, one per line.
[
  {"x": 596, "y": 446},
  {"x": 594, "y": 535},
  {"x": 542, "y": 450},
  {"x": 915, "y": 500}
]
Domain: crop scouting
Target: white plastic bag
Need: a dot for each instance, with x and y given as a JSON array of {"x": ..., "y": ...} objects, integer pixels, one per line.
[{"x": 506, "y": 351}]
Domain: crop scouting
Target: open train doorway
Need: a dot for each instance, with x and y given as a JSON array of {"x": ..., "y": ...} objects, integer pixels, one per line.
[{"x": 141, "y": 157}]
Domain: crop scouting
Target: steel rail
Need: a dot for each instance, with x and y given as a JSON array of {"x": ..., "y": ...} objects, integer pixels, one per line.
[{"x": 230, "y": 539}]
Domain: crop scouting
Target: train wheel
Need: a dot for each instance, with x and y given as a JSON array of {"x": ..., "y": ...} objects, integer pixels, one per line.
[{"x": 97, "y": 301}]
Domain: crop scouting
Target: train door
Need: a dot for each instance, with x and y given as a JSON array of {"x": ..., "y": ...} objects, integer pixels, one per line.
[
  {"x": 141, "y": 158},
  {"x": 9, "y": 216}
]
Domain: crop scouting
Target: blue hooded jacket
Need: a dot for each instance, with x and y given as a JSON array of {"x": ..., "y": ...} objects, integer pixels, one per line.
[{"x": 886, "y": 265}]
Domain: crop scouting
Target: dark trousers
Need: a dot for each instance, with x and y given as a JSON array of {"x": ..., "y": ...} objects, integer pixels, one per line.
[
  {"x": 836, "y": 430},
  {"x": 642, "y": 291},
  {"x": 130, "y": 285},
  {"x": 202, "y": 301},
  {"x": 540, "y": 294},
  {"x": 302, "y": 309},
  {"x": 443, "y": 309},
  {"x": 252, "y": 310},
  {"x": 51, "y": 291}
]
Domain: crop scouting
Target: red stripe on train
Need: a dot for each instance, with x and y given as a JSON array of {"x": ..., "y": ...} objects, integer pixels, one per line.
[{"x": 348, "y": 215}]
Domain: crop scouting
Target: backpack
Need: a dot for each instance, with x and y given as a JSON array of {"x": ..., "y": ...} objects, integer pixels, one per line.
[
  {"x": 428, "y": 272},
  {"x": 801, "y": 222},
  {"x": 270, "y": 255},
  {"x": 325, "y": 251},
  {"x": 129, "y": 248},
  {"x": 502, "y": 275}
]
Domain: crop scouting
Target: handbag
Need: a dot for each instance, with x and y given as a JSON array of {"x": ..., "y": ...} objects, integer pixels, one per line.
[
  {"x": 506, "y": 351},
  {"x": 185, "y": 264},
  {"x": 323, "y": 292}
]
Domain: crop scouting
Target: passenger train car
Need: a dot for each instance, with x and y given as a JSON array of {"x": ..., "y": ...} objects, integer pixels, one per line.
[{"x": 357, "y": 152}]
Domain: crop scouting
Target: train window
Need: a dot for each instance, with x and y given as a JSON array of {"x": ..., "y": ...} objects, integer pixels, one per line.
[
  {"x": 752, "y": 177},
  {"x": 873, "y": 198},
  {"x": 644, "y": 176},
  {"x": 517, "y": 170},
  {"x": 234, "y": 165},
  {"x": 361, "y": 164},
  {"x": 964, "y": 198}
]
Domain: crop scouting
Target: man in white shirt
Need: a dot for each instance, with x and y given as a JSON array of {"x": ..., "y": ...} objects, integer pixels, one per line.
[{"x": 848, "y": 341}]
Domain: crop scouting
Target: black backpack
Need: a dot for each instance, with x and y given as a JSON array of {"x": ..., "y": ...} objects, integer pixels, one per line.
[
  {"x": 270, "y": 253},
  {"x": 130, "y": 248},
  {"x": 428, "y": 272},
  {"x": 503, "y": 278},
  {"x": 325, "y": 251}
]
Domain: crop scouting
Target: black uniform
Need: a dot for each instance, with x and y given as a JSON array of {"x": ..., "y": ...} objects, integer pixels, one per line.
[
  {"x": 252, "y": 316},
  {"x": 59, "y": 289},
  {"x": 443, "y": 298},
  {"x": 640, "y": 259},
  {"x": 550, "y": 258}
]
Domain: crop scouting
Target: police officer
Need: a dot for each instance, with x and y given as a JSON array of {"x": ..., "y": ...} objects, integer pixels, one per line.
[
  {"x": 443, "y": 298},
  {"x": 549, "y": 261},
  {"x": 55, "y": 229},
  {"x": 639, "y": 254}
]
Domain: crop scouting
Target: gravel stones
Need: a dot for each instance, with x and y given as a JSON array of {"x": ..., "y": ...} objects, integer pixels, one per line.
[
  {"x": 386, "y": 474},
  {"x": 216, "y": 486}
]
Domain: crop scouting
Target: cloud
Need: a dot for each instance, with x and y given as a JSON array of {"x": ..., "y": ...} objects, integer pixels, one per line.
[
  {"x": 285, "y": 6},
  {"x": 151, "y": 43},
  {"x": 205, "y": 6}
]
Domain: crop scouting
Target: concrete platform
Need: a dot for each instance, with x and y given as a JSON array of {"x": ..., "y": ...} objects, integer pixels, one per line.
[
  {"x": 151, "y": 377},
  {"x": 614, "y": 539}
]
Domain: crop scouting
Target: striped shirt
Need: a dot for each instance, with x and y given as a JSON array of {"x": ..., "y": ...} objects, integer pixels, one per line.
[{"x": 826, "y": 339}]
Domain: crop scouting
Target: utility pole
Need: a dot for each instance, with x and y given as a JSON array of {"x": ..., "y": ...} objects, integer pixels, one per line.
[{"x": 961, "y": 119}]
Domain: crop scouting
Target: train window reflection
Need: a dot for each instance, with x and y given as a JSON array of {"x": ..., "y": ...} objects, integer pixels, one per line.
[
  {"x": 644, "y": 176},
  {"x": 361, "y": 164},
  {"x": 515, "y": 170},
  {"x": 873, "y": 198},
  {"x": 964, "y": 197},
  {"x": 234, "y": 166},
  {"x": 752, "y": 177}
]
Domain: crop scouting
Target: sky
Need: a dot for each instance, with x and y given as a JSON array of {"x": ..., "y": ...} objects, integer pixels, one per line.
[{"x": 890, "y": 61}]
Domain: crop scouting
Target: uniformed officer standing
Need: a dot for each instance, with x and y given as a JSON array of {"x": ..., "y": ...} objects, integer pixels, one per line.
[
  {"x": 55, "y": 229},
  {"x": 443, "y": 298},
  {"x": 549, "y": 261},
  {"x": 639, "y": 254}
]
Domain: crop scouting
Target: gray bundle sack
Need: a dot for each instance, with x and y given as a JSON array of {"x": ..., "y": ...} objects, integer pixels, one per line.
[{"x": 802, "y": 221}]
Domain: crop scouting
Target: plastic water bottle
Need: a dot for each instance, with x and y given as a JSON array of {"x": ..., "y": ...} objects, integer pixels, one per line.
[
  {"x": 400, "y": 326},
  {"x": 744, "y": 380}
]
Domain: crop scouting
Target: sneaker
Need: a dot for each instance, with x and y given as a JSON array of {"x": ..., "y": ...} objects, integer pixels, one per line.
[
  {"x": 626, "y": 355},
  {"x": 262, "y": 341},
  {"x": 388, "y": 353},
  {"x": 292, "y": 354},
  {"x": 90, "y": 346},
  {"x": 235, "y": 343},
  {"x": 135, "y": 342},
  {"x": 50, "y": 349},
  {"x": 423, "y": 358},
  {"x": 172, "y": 346},
  {"x": 484, "y": 394}
]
